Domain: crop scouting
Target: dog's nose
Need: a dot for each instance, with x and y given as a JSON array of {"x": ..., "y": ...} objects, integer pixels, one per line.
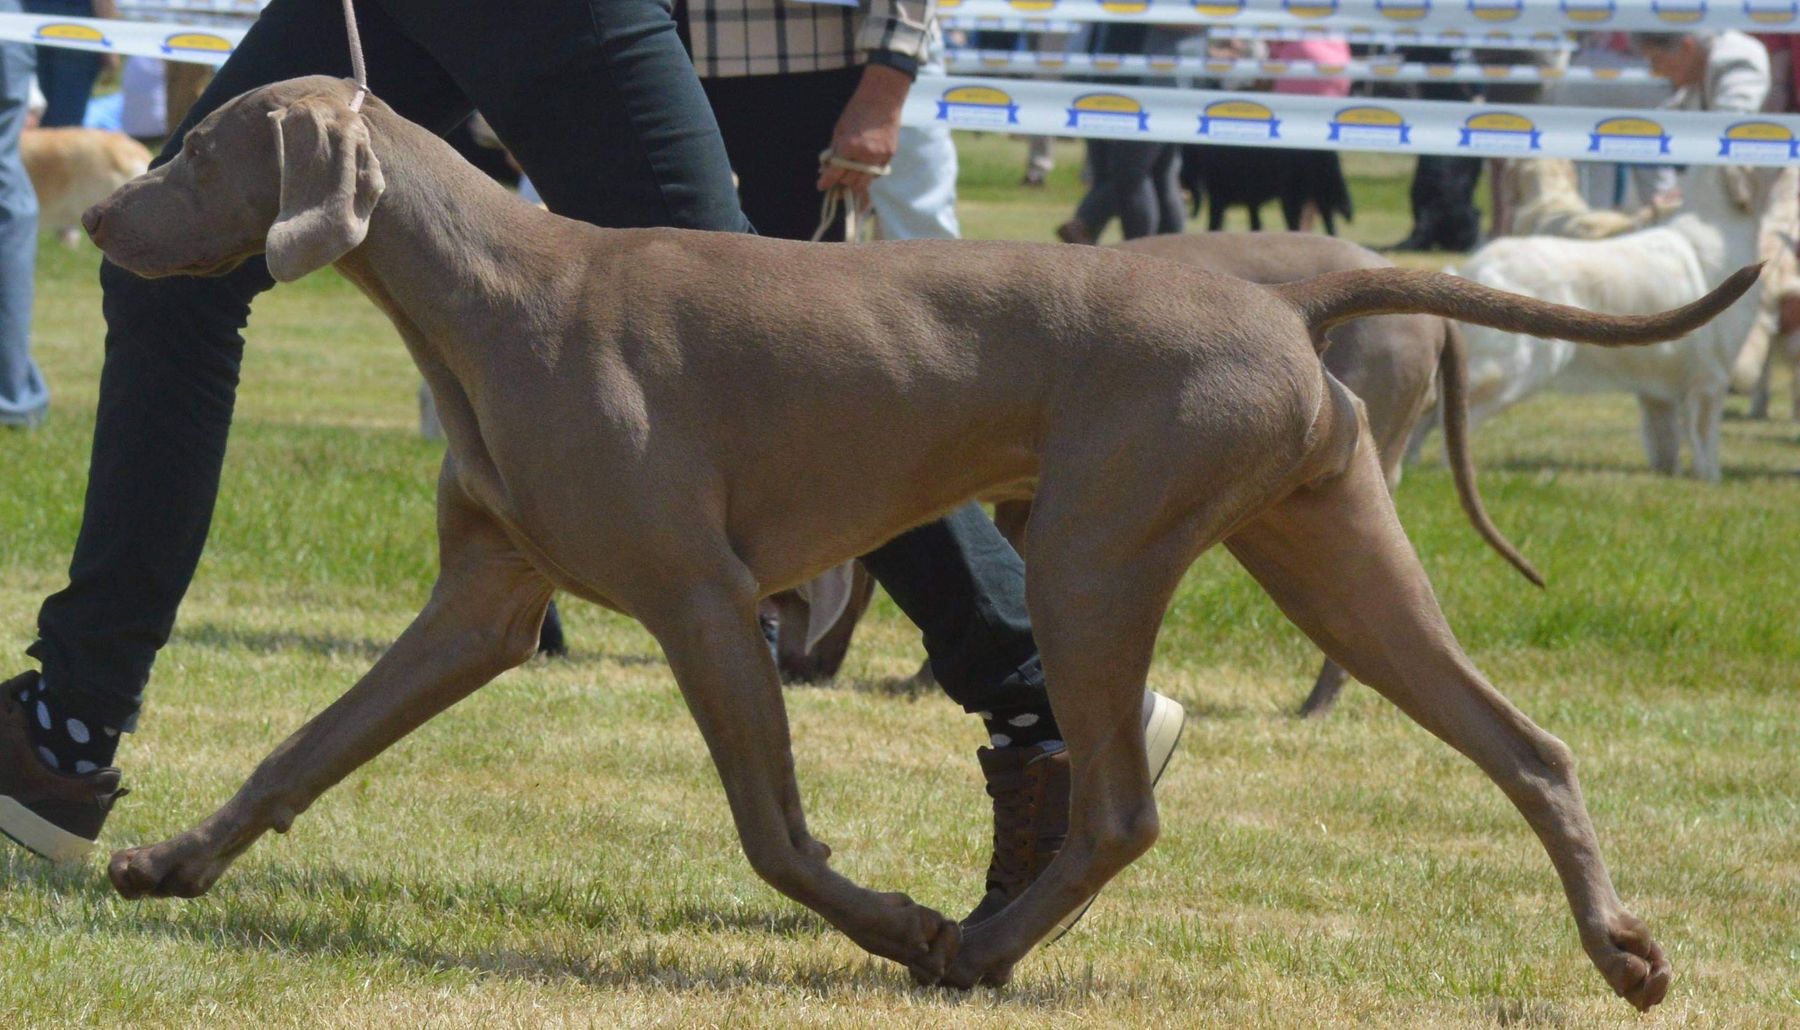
[{"x": 90, "y": 220}]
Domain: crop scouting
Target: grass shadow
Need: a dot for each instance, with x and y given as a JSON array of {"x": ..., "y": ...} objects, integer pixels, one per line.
[{"x": 272, "y": 642}]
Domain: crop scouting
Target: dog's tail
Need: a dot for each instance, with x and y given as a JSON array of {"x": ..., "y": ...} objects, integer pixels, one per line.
[
  {"x": 1453, "y": 387},
  {"x": 1336, "y": 297}
]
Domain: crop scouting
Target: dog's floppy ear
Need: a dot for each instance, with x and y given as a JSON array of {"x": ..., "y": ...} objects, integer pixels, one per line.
[{"x": 330, "y": 181}]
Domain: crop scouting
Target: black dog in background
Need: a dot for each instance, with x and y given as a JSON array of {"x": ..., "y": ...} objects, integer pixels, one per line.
[{"x": 1252, "y": 176}]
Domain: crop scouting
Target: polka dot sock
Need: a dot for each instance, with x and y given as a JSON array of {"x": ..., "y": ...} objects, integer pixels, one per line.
[
  {"x": 1020, "y": 727},
  {"x": 64, "y": 742}
]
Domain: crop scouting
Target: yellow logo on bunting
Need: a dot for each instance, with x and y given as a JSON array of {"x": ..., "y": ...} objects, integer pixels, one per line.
[
  {"x": 1310, "y": 8},
  {"x": 1628, "y": 137},
  {"x": 1589, "y": 12},
  {"x": 1679, "y": 12},
  {"x": 196, "y": 43},
  {"x": 69, "y": 32},
  {"x": 1772, "y": 12},
  {"x": 1108, "y": 112},
  {"x": 1403, "y": 10},
  {"x": 1243, "y": 120},
  {"x": 1499, "y": 132},
  {"x": 1032, "y": 6},
  {"x": 1275, "y": 67},
  {"x": 1369, "y": 126},
  {"x": 1759, "y": 141},
  {"x": 1439, "y": 71},
  {"x": 1496, "y": 10},
  {"x": 977, "y": 107},
  {"x": 1384, "y": 68},
  {"x": 1219, "y": 8},
  {"x": 1125, "y": 6}
]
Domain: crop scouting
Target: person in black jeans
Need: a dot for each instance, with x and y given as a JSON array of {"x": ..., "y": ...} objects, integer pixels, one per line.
[
  {"x": 1136, "y": 180},
  {"x": 600, "y": 105}
]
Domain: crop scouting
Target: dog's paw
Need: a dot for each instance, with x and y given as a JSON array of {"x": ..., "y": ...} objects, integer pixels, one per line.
[
  {"x": 943, "y": 939},
  {"x": 900, "y": 929},
  {"x": 1631, "y": 962},
  {"x": 177, "y": 868}
]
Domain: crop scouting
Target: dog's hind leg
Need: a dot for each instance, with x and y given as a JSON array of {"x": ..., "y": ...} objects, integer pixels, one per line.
[
  {"x": 716, "y": 648},
  {"x": 1334, "y": 557},
  {"x": 481, "y": 620},
  {"x": 1099, "y": 583}
]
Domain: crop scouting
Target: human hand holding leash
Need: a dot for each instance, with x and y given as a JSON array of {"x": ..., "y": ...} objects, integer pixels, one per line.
[{"x": 867, "y": 132}]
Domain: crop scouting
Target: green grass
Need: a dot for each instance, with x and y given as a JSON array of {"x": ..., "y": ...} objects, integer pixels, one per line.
[{"x": 556, "y": 850}]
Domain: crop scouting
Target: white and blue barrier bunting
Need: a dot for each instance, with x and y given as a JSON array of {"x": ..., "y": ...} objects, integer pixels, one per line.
[
  {"x": 1332, "y": 123},
  {"x": 963, "y": 61},
  {"x": 1499, "y": 39},
  {"x": 196, "y": 43},
  {"x": 1474, "y": 16}
]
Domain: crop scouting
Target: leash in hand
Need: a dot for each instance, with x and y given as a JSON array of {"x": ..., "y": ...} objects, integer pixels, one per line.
[{"x": 839, "y": 197}]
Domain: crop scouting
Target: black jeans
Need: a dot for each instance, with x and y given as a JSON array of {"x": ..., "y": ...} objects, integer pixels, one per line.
[
  {"x": 1139, "y": 182},
  {"x": 598, "y": 101}
]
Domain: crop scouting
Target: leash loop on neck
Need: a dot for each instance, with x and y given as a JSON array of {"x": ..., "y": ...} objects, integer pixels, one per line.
[{"x": 357, "y": 70}]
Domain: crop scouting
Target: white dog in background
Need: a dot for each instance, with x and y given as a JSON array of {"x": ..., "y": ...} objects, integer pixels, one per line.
[
  {"x": 74, "y": 169},
  {"x": 1680, "y": 385}
]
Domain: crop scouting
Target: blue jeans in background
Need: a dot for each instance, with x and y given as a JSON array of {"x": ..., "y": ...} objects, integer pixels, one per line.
[
  {"x": 23, "y": 396},
  {"x": 66, "y": 76}
]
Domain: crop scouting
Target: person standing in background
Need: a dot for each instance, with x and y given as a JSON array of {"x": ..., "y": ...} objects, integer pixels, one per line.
[
  {"x": 1319, "y": 52},
  {"x": 65, "y": 75},
  {"x": 24, "y": 399}
]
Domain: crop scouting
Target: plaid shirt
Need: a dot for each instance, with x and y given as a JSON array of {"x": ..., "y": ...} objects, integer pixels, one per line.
[{"x": 776, "y": 37}]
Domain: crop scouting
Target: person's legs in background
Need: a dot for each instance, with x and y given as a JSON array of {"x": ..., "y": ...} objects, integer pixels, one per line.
[
  {"x": 916, "y": 199},
  {"x": 1099, "y": 204},
  {"x": 1128, "y": 173},
  {"x": 24, "y": 397},
  {"x": 1165, "y": 175},
  {"x": 66, "y": 76}
]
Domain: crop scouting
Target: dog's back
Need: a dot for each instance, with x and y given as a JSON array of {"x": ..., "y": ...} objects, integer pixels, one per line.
[{"x": 73, "y": 169}]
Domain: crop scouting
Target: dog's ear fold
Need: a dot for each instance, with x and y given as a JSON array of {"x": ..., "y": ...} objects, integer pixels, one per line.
[{"x": 330, "y": 181}]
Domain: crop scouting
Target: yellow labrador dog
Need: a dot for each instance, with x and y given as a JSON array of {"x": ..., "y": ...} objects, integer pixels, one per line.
[{"x": 676, "y": 424}]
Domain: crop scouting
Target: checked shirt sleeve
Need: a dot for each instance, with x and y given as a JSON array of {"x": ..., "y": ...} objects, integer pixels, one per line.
[{"x": 900, "y": 27}]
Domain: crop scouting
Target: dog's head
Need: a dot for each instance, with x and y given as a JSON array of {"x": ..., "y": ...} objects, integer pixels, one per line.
[{"x": 286, "y": 170}]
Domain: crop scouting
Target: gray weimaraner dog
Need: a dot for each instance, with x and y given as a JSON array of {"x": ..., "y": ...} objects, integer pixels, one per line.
[
  {"x": 1392, "y": 363},
  {"x": 675, "y": 424}
]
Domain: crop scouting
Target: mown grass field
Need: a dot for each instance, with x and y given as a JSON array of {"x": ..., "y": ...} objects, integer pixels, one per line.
[{"x": 556, "y": 850}]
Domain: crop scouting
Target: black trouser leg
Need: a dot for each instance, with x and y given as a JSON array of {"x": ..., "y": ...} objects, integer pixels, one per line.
[
  {"x": 963, "y": 585},
  {"x": 1129, "y": 167}
]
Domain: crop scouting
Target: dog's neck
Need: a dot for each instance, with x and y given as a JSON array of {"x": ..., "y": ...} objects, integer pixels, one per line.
[{"x": 451, "y": 255}]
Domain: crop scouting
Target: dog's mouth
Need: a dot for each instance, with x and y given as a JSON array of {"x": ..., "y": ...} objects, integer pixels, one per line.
[{"x": 198, "y": 269}]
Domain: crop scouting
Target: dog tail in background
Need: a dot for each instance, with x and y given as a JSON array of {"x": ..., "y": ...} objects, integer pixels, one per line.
[
  {"x": 1453, "y": 386},
  {"x": 1331, "y": 299}
]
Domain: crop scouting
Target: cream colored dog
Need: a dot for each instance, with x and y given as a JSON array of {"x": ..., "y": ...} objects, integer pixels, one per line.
[
  {"x": 676, "y": 424},
  {"x": 74, "y": 169},
  {"x": 1546, "y": 201}
]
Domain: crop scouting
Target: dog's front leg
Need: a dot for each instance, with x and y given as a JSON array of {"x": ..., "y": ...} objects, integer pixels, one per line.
[
  {"x": 729, "y": 681},
  {"x": 482, "y": 619}
]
